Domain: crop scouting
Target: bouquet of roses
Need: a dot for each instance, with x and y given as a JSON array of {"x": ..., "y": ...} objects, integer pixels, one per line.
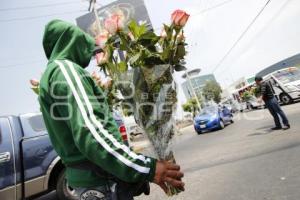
[{"x": 142, "y": 69}]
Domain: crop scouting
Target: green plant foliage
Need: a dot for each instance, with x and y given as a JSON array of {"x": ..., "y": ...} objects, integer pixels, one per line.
[
  {"x": 191, "y": 106},
  {"x": 247, "y": 95},
  {"x": 36, "y": 90},
  {"x": 212, "y": 91}
]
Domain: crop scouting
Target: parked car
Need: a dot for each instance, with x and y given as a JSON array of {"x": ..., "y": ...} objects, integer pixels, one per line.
[
  {"x": 230, "y": 107},
  {"x": 234, "y": 105},
  {"x": 29, "y": 166},
  {"x": 211, "y": 118}
]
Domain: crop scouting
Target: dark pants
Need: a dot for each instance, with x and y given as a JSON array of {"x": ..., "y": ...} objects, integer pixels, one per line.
[{"x": 276, "y": 111}]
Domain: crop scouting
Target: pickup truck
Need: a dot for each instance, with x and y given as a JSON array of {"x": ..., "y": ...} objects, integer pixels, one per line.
[{"x": 29, "y": 166}]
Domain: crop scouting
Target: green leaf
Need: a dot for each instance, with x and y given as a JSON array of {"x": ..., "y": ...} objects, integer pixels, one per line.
[
  {"x": 36, "y": 90},
  {"x": 169, "y": 31},
  {"x": 179, "y": 68},
  {"x": 137, "y": 30},
  {"x": 123, "y": 47},
  {"x": 133, "y": 60},
  {"x": 153, "y": 60},
  {"x": 123, "y": 66},
  {"x": 148, "y": 36},
  {"x": 148, "y": 40},
  {"x": 113, "y": 39},
  {"x": 180, "y": 53},
  {"x": 112, "y": 68},
  {"x": 166, "y": 54},
  {"x": 142, "y": 29}
]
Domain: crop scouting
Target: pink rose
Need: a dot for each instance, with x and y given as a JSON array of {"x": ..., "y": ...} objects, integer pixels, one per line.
[
  {"x": 101, "y": 58},
  {"x": 180, "y": 17},
  {"x": 102, "y": 39},
  {"x": 34, "y": 82},
  {"x": 114, "y": 24}
]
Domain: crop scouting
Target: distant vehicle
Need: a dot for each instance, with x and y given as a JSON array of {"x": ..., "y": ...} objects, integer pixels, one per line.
[
  {"x": 229, "y": 107},
  {"x": 285, "y": 84},
  {"x": 251, "y": 102},
  {"x": 29, "y": 166},
  {"x": 211, "y": 118},
  {"x": 233, "y": 105}
]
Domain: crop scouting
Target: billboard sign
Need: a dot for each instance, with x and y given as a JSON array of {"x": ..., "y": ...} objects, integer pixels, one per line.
[{"x": 128, "y": 9}]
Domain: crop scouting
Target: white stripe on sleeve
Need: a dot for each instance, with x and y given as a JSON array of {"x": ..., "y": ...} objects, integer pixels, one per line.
[
  {"x": 92, "y": 129},
  {"x": 97, "y": 122}
]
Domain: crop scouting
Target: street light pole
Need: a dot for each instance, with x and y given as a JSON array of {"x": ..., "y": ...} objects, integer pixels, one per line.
[{"x": 193, "y": 91}]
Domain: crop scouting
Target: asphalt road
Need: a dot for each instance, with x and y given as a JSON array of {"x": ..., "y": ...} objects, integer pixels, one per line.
[{"x": 245, "y": 161}]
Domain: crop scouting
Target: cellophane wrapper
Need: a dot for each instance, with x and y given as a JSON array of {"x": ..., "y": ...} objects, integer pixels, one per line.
[{"x": 152, "y": 92}]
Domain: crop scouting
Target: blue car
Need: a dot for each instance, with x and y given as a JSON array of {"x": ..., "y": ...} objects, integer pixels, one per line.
[{"x": 212, "y": 118}]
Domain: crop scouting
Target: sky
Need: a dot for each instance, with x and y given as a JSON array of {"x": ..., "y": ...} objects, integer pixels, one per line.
[{"x": 272, "y": 38}]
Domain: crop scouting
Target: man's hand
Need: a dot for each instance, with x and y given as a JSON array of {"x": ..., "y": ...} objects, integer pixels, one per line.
[
  {"x": 170, "y": 173},
  {"x": 259, "y": 100}
]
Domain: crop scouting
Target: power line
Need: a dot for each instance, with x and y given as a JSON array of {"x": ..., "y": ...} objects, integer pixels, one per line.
[
  {"x": 41, "y": 16},
  {"x": 241, "y": 36},
  {"x": 28, "y": 18},
  {"x": 213, "y": 7},
  {"x": 37, "y": 6}
]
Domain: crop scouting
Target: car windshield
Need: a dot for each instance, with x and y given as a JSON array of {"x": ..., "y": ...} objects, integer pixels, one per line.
[
  {"x": 288, "y": 75},
  {"x": 208, "y": 110}
]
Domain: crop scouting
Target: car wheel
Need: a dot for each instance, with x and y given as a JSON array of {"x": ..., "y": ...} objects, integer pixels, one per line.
[
  {"x": 285, "y": 98},
  {"x": 231, "y": 121},
  {"x": 63, "y": 190},
  {"x": 199, "y": 132},
  {"x": 221, "y": 124}
]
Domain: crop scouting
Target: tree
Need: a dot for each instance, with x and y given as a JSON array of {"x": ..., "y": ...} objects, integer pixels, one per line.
[
  {"x": 212, "y": 91},
  {"x": 191, "y": 106},
  {"x": 246, "y": 96}
]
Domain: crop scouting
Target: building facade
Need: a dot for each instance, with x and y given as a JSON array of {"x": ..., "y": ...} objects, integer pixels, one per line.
[{"x": 197, "y": 82}]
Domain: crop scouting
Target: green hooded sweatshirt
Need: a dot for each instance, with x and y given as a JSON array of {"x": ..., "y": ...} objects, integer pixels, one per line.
[{"x": 76, "y": 113}]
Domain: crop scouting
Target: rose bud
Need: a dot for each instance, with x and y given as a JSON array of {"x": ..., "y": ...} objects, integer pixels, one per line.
[
  {"x": 34, "y": 82},
  {"x": 179, "y": 18}
]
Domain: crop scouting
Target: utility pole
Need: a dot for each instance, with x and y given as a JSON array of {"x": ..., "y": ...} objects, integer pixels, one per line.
[{"x": 193, "y": 91}]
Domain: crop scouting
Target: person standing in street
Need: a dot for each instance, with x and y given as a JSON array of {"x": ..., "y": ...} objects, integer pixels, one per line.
[
  {"x": 272, "y": 104},
  {"x": 82, "y": 129}
]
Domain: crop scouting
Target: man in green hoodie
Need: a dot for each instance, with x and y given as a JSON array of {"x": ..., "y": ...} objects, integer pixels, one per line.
[{"x": 80, "y": 125}]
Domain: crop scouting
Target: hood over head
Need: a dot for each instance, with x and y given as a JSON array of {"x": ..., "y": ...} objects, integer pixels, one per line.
[{"x": 63, "y": 40}]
